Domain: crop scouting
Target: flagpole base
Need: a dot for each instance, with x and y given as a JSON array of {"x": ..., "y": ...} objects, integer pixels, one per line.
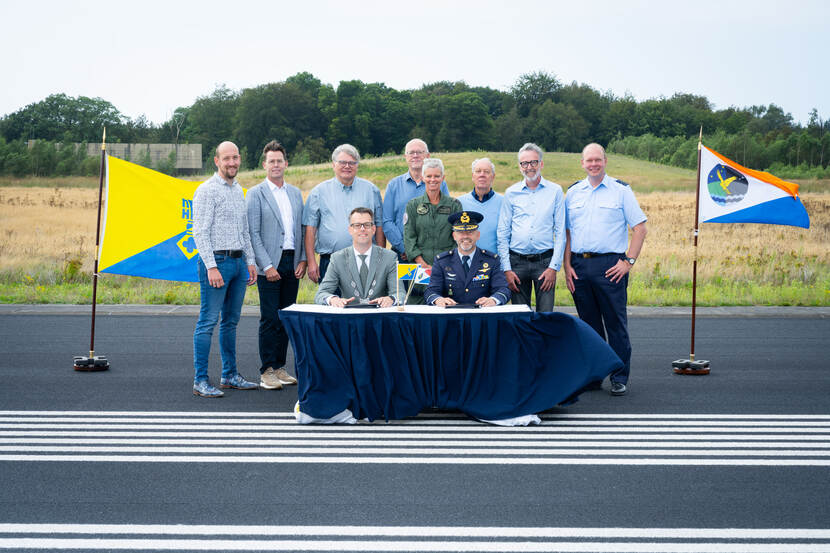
[
  {"x": 91, "y": 364},
  {"x": 690, "y": 367}
]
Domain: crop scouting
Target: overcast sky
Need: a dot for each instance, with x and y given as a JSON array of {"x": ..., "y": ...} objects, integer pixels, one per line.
[{"x": 152, "y": 56}]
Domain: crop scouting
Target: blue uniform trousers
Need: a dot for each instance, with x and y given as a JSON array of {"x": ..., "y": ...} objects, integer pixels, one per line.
[{"x": 602, "y": 304}]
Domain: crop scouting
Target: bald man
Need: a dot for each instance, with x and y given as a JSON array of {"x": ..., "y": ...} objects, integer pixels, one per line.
[{"x": 226, "y": 265}]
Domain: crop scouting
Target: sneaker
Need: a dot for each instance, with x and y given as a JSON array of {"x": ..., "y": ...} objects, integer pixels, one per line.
[
  {"x": 618, "y": 389},
  {"x": 285, "y": 378},
  {"x": 204, "y": 389},
  {"x": 236, "y": 381},
  {"x": 269, "y": 380}
]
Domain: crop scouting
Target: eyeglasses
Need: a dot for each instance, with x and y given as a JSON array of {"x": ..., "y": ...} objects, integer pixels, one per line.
[
  {"x": 532, "y": 163},
  {"x": 416, "y": 152},
  {"x": 364, "y": 226},
  {"x": 346, "y": 163}
]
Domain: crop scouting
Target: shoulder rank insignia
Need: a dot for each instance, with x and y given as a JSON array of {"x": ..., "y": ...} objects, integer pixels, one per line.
[
  {"x": 622, "y": 182},
  {"x": 574, "y": 184}
]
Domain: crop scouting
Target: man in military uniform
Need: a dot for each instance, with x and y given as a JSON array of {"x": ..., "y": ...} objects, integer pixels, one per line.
[
  {"x": 466, "y": 274},
  {"x": 599, "y": 211}
]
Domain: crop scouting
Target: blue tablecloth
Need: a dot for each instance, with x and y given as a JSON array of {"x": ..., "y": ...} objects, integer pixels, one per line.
[{"x": 492, "y": 364}]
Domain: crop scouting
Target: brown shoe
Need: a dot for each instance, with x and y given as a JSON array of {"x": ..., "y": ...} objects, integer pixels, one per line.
[
  {"x": 270, "y": 380},
  {"x": 284, "y": 377}
]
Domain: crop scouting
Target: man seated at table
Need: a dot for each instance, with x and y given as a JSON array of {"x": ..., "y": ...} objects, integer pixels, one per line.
[
  {"x": 467, "y": 275},
  {"x": 365, "y": 273}
]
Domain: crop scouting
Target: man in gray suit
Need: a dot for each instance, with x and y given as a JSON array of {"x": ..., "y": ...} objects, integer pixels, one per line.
[
  {"x": 275, "y": 212},
  {"x": 364, "y": 272}
]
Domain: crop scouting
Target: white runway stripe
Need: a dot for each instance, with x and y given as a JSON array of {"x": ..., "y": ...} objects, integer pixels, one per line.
[
  {"x": 670, "y": 440},
  {"x": 408, "y": 538}
]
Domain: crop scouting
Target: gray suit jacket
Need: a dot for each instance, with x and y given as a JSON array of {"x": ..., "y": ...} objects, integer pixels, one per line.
[
  {"x": 265, "y": 225},
  {"x": 343, "y": 273}
]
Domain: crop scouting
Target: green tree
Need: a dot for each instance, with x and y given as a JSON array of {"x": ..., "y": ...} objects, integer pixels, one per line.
[{"x": 533, "y": 89}]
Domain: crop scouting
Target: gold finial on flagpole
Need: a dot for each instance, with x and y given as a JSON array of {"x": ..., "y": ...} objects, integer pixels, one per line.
[
  {"x": 104, "y": 139},
  {"x": 700, "y": 139}
]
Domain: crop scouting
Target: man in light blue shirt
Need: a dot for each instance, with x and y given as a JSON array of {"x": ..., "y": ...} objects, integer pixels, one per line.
[
  {"x": 483, "y": 199},
  {"x": 598, "y": 257},
  {"x": 531, "y": 233},
  {"x": 403, "y": 188},
  {"x": 326, "y": 211}
]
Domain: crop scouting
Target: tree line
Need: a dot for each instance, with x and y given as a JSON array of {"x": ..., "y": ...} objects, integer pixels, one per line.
[{"x": 310, "y": 118}]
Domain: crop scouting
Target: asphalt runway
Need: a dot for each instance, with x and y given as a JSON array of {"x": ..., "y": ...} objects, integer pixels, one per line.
[{"x": 129, "y": 459}]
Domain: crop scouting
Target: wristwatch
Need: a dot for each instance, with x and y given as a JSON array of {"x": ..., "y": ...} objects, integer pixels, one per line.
[{"x": 631, "y": 260}]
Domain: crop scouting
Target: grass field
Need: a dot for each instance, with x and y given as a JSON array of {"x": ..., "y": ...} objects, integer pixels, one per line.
[{"x": 47, "y": 237}]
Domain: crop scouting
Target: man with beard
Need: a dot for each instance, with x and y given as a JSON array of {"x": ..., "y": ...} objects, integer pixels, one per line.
[
  {"x": 531, "y": 232},
  {"x": 467, "y": 275},
  {"x": 226, "y": 267}
]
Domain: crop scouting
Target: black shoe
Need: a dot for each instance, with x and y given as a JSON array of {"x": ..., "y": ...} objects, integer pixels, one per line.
[{"x": 618, "y": 389}]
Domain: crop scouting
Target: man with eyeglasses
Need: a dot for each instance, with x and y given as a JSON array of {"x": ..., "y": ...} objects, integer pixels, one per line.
[
  {"x": 365, "y": 273},
  {"x": 485, "y": 200},
  {"x": 400, "y": 190},
  {"x": 598, "y": 257},
  {"x": 531, "y": 233},
  {"x": 327, "y": 209}
]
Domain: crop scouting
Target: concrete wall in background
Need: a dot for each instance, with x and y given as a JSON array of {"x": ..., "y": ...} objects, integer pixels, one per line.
[{"x": 188, "y": 156}]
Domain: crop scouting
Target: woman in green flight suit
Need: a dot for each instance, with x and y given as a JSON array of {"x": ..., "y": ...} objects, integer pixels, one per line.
[{"x": 426, "y": 230}]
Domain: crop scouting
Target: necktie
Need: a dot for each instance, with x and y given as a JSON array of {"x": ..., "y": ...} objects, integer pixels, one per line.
[
  {"x": 364, "y": 271},
  {"x": 465, "y": 259}
]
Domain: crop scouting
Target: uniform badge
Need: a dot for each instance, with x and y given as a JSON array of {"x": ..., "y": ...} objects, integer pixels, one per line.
[
  {"x": 485, "y": 265},
  {"x": 444, "y": 210},
  {"x": 465, "y": 218},
  {"x": 422, "y": 209}
]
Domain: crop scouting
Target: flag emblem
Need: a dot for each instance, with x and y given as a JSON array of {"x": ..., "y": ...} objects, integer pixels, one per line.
[{"x": 726, "y": 185}]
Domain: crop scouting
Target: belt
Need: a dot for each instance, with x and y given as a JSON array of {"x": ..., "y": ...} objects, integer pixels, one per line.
[
  {"x": 532, "y": 256},
  {"x": 229, "y": 253},
  {"x": 287, "y": 252},
  {"x": 588, "y": 255},
  {"x": 325, "y": 255}
]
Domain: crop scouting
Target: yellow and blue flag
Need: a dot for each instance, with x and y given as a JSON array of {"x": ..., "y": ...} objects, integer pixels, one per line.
[
  {"x": 148, "y": 225},
  {"x": 413, "y": 271},
  {"x": 731, "y": 193}
]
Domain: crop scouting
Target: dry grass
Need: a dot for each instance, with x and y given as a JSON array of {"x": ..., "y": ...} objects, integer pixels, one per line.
[{"x": 47, "y": 237}]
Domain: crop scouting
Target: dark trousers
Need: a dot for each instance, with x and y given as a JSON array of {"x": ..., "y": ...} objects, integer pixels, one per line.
[
  {"x": 528, "y": 271},
  {"x": 602, "y": 304},
  {"x": 273, "y": 296}
]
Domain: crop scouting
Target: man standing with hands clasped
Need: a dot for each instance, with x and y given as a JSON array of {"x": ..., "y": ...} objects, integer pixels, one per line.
[
  {"x": 600, "y": 209},
  {"x": 531, "y": 233},
  {"x": 275, "y": 213},
  {"x": 226, "y": 266}
]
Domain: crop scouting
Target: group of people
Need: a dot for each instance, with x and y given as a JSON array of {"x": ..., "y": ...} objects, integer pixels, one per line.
[{"x": 482, "y": 249}]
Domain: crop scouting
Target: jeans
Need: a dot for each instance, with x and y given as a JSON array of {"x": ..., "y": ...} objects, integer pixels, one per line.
[
  {"x": 528, "y": 273},
  {"x": 225, "y": 301},
  {"x": 273, "y": 296}
]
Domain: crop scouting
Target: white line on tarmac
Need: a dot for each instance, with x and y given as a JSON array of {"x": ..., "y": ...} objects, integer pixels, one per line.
[
  {"x": 417, "y": 451},
  {"x": 290, "y": 415},
  {"x": 342, "y": 432},
  {"x": 367, "y": 441},
  {"x": 422, "y": 531},
  {"x": 449, "y": 460},
  {"x": 406, "y": 546}
]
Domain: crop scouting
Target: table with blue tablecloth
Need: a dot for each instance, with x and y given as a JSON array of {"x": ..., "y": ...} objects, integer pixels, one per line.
[{"x": 491, "y": 363}]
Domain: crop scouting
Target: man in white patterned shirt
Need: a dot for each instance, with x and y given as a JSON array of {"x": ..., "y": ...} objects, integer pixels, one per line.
[{"x": 226, "y": 267}]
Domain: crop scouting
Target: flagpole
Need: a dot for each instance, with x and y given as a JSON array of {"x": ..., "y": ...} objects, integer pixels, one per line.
[
  {"x": 690, "y": 366},
  {"x": 93, "y": 363}
]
